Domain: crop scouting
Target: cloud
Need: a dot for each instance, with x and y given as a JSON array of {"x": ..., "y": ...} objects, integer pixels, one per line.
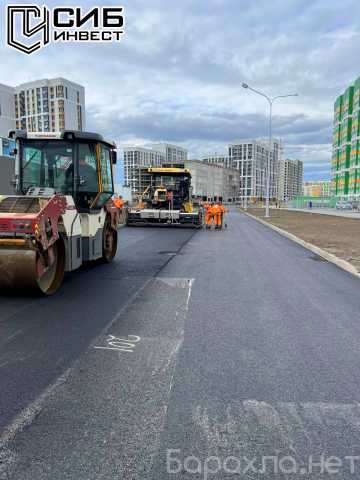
[{"x": 177, "y": 74}]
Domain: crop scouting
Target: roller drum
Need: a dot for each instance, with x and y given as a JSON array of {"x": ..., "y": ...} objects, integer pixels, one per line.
[{"x": 19, "y": 272}]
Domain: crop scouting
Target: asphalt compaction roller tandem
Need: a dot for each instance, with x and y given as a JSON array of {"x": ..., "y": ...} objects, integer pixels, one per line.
[{"x": 62, "y": 214}]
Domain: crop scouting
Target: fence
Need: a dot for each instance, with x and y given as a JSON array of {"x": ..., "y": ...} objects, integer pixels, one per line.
[{"x": 317, "y": 202}]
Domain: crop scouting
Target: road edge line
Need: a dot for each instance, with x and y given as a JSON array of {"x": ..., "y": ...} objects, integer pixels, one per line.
[{"x": 330, "y": 257}]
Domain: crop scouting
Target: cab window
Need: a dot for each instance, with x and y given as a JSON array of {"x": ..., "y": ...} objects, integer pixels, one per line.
[
  {"x": 106, "y": 176},
  {"x": 106, "y": 169},
  {"x": 47, "y": 164},
  {"x": 87, "y": 176}
]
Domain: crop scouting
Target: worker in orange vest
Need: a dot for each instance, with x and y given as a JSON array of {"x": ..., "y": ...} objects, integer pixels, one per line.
[
  {"x": 119, "y": 202},
  {"x": 222, "y": 213},
  {"x": 208, "y": 215},
  {"x": 216, "y": 211}
]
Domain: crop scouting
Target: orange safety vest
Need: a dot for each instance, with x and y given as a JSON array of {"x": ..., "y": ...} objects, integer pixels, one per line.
[
  {"x": 208, "y": 213},
  {"x": 215, "y": 209},
  {"x": 119, "y": 203}
]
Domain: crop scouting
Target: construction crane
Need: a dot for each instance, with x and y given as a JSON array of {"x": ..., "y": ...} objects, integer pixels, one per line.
[
  {"x": 166, "y": 200},
  {"x": 62, "y": 214}
]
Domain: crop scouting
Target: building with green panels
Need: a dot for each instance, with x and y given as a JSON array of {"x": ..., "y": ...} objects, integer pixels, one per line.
[{"x": 345, "y": 163}]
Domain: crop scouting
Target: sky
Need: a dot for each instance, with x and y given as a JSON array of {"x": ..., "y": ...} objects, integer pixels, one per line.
[{"x": 176, "y": 75}]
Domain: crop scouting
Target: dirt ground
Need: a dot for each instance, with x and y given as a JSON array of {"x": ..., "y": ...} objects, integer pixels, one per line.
[{"x": 339, "y": 236}]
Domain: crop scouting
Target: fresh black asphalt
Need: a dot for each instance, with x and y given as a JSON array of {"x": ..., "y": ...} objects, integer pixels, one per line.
[{"x": 242, "y": 345}]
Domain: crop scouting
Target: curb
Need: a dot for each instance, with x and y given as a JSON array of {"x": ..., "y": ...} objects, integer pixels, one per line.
[{"x": 339, "y": 262}]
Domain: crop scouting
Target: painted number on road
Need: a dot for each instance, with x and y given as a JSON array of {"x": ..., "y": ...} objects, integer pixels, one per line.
[{"x": 120, "y": 344}]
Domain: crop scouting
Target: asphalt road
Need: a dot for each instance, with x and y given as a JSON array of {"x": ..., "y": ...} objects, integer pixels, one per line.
[{"x": 237, "y": 345}]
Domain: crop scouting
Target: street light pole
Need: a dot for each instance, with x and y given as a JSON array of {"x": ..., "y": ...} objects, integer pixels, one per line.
[
  {"x": 270, "y": 100},
  {"x": 267, "y": 209}
]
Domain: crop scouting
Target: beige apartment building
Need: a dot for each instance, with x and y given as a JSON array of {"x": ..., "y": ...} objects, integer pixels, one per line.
[
  {"x": 321, "y": 188},
  {"x": 290, "y": 179},
  {"x": 50, "y": 105}
]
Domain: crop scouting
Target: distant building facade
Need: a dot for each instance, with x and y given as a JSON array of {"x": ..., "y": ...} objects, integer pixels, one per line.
[
  {"x": 320, "y": 188},
  {"x": 50, "y": 105},
  {"x": 290, "y": 179},
  {"x": 213, "y": 181},
  {"x": 135, "y": 158},
  {"x": 173, "y": 153},
  {"x": 7, "y": 110},
  {"x": 222, "y": 160},
  {"x": 250, "y": 157},
  {"x": 207, "y": 181}
]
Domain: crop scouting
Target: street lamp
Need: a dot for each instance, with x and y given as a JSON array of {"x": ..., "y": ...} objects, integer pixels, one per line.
[{"x": 271, "y": 100}]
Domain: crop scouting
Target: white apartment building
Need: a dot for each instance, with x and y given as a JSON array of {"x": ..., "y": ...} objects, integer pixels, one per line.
[
  {"x": 136, "y": 158},
  {"x": 173, "y": 153},
  {"x": 250, "y": 157},
  {"x": 7, "y": 110},
  {"x": 290, "y": 180},
  {"x": 50, "y": 105},
  {"x": 222, "y": 160}
]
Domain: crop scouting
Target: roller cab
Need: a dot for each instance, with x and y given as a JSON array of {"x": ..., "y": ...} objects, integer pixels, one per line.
[{"x": 63, "y": 214}]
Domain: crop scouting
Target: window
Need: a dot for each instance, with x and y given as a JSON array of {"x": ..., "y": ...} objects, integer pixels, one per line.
[
  {"x": 87, "y": 178},
  {"x": 88, "y": 168},
  {"x": 106, "y": 176},
  {"x": 79, "y": 114},
  {"x": 60, "y": 91},
  {"x": 106, "y": 169},
  {"x": 48, "y": 164}
]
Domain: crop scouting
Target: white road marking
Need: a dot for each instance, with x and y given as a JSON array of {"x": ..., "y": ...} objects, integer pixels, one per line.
[
  {"x": 121, "y": 344},
  {"x": 177, "y": 282},
  {"x": 191, "y": 281}
]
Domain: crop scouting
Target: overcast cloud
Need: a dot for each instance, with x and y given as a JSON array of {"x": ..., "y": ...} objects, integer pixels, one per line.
[{"x": 177, "y": 74}]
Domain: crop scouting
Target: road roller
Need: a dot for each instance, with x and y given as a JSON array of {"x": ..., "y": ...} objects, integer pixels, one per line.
[{"x": 62, "y": 214}]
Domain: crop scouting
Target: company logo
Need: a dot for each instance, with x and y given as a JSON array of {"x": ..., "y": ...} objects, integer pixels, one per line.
[
  {"x": 30, "y": 27},
  {"x": 26, "y": 15}
]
